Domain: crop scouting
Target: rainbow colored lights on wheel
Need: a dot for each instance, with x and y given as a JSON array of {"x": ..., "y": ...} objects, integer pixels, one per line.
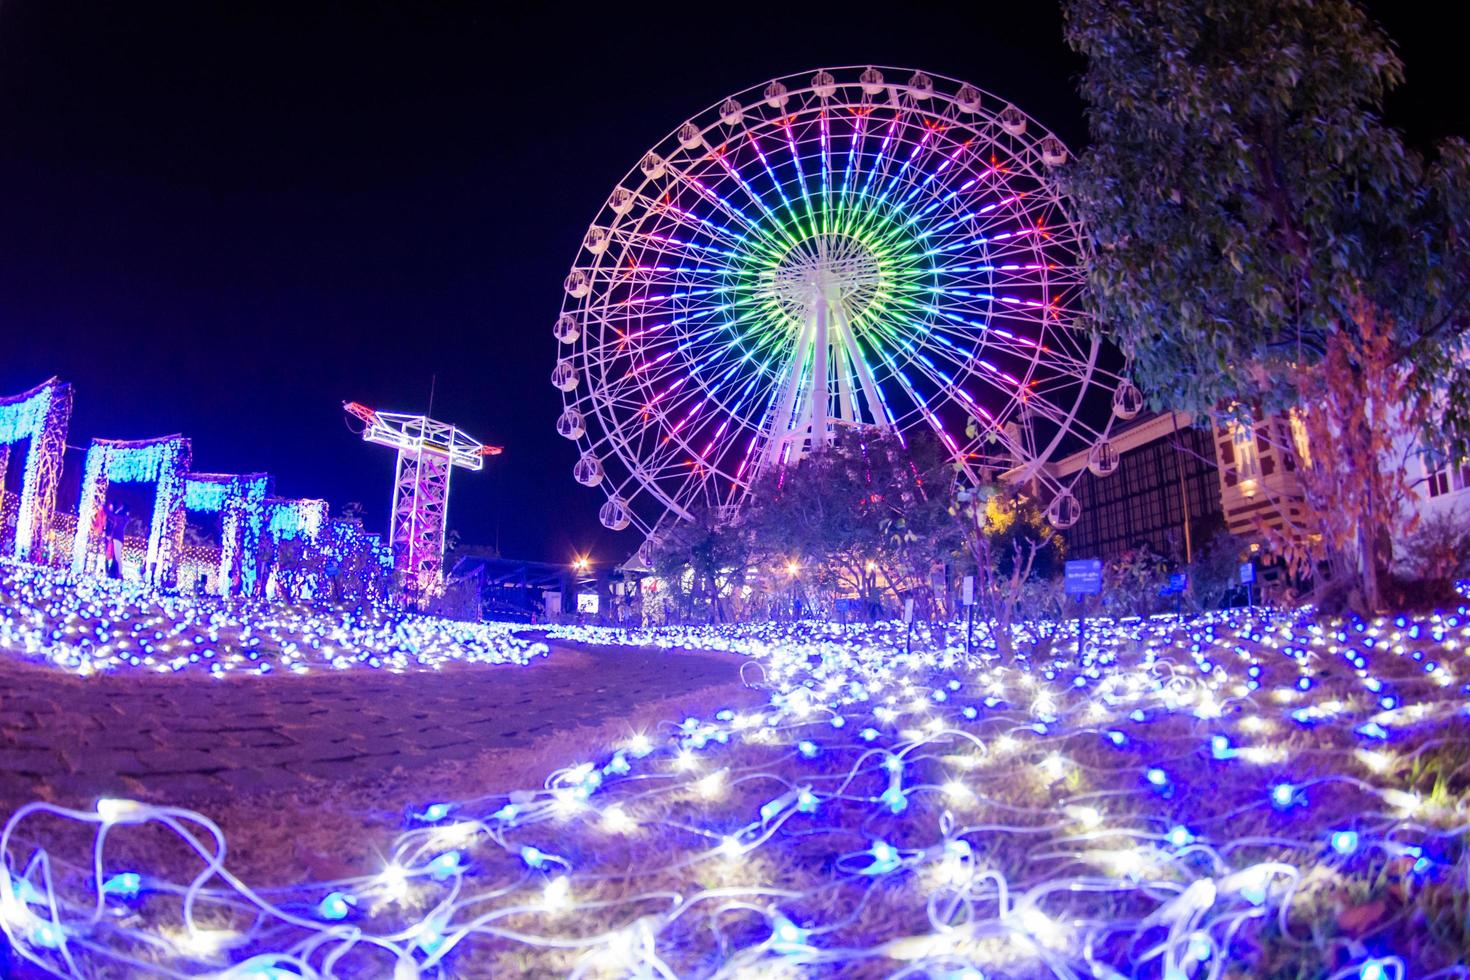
[{"x": 873, "y": 247}]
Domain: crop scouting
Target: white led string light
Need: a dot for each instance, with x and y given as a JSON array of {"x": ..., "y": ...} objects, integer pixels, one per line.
[{"x": 1152, "y": 806}]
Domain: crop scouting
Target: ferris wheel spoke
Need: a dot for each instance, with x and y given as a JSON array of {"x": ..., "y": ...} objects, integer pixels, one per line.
[
  {"x": 660, "y": 243},
  {"x": 894, "y": 181},
  {"x": 663, "y": 212},
  {"x": 795, "y": 160},
  {"x": 721, "y": 156},
  {"x": 754, "y": 230},
  {"x": 901, "y": 122}
]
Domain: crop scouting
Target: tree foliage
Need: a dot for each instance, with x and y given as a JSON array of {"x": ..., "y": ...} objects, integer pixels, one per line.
[
  {"x": 1243, "y": 193},
  {"x": 1012, "y": 547},
  {"x": 865, "y": 516},
  {"x": 1253, "y": 217},
  {"x": 701, "y": 560}
]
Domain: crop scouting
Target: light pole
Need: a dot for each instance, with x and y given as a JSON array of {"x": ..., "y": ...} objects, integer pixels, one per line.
[
  {"x": 793, "y": 568},
  {"x": 970, "y": 499},
  {"x": 581, "y": 566}
]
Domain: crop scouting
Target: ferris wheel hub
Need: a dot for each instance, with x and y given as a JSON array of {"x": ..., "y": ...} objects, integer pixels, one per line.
[{"x": 835, "y": 269}]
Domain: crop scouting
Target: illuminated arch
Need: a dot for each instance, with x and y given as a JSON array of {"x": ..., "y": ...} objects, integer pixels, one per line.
[
  {"x": 239, "y": 499},
  {"x": 40, "y": 415},
  {"x": 164, "y": 462}
]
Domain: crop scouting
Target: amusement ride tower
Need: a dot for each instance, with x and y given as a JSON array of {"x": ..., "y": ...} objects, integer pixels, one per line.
[{"x": 428, "y": 450}]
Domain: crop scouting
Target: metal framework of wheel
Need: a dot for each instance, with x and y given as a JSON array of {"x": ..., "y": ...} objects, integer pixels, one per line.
[{"x": 855, "y": 246}]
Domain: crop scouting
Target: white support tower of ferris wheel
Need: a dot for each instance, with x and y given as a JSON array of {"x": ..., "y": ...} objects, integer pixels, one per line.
[{"x": 428, "y": 450}]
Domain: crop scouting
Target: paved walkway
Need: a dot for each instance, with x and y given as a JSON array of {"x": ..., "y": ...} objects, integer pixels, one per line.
[{"x": 193, "y": 740}]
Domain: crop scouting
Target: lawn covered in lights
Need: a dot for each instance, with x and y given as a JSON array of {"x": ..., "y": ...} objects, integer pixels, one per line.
[
  {"x": 1245, "y": 794},
  {"x": 90, "y": 625}
]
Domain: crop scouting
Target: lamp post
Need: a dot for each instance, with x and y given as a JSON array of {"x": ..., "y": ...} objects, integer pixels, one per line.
[
  {"x": 970, "y": 499},
  {"x": 793, "y": 568},
  {"x": 581, "y": 566}
]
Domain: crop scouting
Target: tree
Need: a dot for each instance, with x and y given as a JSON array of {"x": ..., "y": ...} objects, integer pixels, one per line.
[
  {"x": 1253, "y": 219},
  {"x": 702, "y": 559},
  {"x": 1012, "y": 546},
  {"x": 1360, "y": 397},
  {"x": 1215, "y": 572},
  {"x": 866, "y": 515}
]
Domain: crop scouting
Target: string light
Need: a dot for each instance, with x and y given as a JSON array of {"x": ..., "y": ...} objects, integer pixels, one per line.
[
  {"x": 1014, "y": 838},
  {"x": 97, "y": 626},
  {"x": 40, "y": 416}
]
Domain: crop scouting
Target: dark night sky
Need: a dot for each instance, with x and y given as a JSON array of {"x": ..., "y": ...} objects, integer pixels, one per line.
[{"x": 225, "y": 219}]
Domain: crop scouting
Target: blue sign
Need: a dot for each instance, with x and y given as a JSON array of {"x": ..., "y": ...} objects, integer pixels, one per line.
[
  {"x": 1178, "y": 582},
  {"x": 1084, "y": 577},
  {"x": 1247, "y": 573}
]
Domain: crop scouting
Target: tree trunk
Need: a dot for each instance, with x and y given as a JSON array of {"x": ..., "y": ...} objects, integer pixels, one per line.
[{"x": 1368, "y": 569}]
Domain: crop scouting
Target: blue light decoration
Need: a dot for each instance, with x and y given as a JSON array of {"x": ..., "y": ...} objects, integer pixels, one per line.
[
  {"x": 163, "y": 462},
  {"x": 133, "y": 627},
  {"x": 125, "y": 885},
  {"x": 1021, "y": 847},
  {"x": 288, "y": 520},
  {"x": 336, "y": 906},
  {"x": 249, "y": 515},
  {"x": 240, "y": 500},
  {"x": 41, "y": 417}
]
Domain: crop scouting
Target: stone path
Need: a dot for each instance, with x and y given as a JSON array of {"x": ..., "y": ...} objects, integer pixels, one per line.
[{"x": 193, "y": 740}]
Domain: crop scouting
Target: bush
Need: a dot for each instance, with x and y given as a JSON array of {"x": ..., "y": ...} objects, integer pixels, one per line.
[
  {"x": 1215, "y": 572},
  {"x": 1439, "y": 549}
]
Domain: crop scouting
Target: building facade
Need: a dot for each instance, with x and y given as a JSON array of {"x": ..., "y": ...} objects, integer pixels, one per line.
[
  {"x": 1164, "y": 495},
  {"x": 1441, "y": 487},
  {"x": 1258, "y": 463}
]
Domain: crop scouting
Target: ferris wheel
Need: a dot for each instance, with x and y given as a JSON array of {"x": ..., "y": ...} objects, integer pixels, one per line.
[{"x": 849, "y": 247}]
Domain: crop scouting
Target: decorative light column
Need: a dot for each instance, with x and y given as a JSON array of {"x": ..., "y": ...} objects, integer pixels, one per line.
[
  {"x": 239, "y": 499},
  {"x": 164, "y": 462},
  {"x": 40, "y": 415}
]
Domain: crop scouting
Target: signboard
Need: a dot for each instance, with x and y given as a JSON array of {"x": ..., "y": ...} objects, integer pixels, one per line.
[
  {"x": 1084, "y": 577},
  {"x": 908, "y": 610},
  {"x": 969, "y": 590},
  {"x": 1247, "y": 573},
  {"x": 1178, "y": 582},
  {"x": 553, "y": 604},
  {"x": 587, "y": 603}
]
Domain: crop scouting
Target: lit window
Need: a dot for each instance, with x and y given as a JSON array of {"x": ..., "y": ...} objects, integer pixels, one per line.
[
  {"x": 1247, "y": 460},
  {"x": 1299, "y": 438}
]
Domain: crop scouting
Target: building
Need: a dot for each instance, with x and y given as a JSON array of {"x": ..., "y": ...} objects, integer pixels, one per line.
[
  {"x": 1258, "y": 465},
  {"x": 1440, "y": 487},
  {"x": 1165, "y": 492}
]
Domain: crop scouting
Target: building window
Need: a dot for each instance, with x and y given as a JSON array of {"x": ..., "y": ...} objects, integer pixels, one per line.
[
  {"x": 1299, "y": 437},
  {"x": 1442, "y": 476},
  {"x": 1439, "y": 483},
  {"x": 1247, "y": 457}
]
